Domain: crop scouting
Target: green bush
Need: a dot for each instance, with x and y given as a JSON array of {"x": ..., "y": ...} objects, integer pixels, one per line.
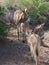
[
  {"x": 3, "y": 30},
  {"x": 38, "y": 9},
  {"x": 3, "y": 27}
]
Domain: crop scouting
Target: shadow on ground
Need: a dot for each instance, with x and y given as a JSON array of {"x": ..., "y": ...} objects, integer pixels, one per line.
[{"x": 14, "y": 53}]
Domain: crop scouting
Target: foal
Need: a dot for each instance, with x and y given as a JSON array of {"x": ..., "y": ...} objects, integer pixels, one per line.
[{"x": 33, "y": 41}]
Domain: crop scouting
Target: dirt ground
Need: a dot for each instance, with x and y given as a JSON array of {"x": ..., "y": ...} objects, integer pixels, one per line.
[{"x": 14, "y": 52}]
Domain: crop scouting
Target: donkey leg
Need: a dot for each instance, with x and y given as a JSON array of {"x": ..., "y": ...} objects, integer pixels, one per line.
[{"x": 36, "y": 56}]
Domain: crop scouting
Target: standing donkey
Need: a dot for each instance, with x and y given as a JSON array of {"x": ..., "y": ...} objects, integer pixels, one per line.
[
  {"x": 19, "y": 17},
  {"x": 33, "y": 41},
  {"x": 34, "y": 44}
]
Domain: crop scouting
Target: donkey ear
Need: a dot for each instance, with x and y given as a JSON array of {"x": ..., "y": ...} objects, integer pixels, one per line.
[
  {"x": 26, "y": 10},
  {"x": 21, "y": 16}
]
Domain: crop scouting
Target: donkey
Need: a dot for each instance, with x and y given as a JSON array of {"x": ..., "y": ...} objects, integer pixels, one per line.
[
  {"x": 19, "y": 17},
  {"x": 33, "y": 41}
]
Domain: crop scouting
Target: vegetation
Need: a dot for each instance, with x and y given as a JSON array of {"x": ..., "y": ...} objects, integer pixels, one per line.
[
  {"x": 38, "y": 11},
  {"x": 3, "y": 27}
]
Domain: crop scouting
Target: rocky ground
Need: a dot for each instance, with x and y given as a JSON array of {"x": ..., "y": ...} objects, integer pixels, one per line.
[{"x": 14, "y": 52}]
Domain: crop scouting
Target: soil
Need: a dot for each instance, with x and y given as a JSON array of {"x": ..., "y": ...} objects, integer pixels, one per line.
[{"x": 14, "y": 52}]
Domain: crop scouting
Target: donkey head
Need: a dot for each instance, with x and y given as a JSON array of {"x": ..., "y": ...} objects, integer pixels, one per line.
[
  {"x": 25, "y": 17},
  {"x": 21, "y": 16}
]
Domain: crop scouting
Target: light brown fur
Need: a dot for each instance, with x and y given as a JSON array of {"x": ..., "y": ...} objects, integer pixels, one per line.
[
  {"x": 18, "y": 15},
  {"x": 33, "y": 41},
  {"x": 34, "y": 44},
  {"x": 21, "y": 29}
]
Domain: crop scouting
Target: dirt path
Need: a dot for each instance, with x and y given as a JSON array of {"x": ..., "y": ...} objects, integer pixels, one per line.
[{"x": 14, "y": 52}]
